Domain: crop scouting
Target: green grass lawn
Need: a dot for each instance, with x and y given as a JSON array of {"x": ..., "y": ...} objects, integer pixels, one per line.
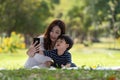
[
  {"x": 13, "y": 60},
  {"x": 97, "y": 54},
  {"x": 89, "y": 56},
  {"x": 93, "y": 56}
]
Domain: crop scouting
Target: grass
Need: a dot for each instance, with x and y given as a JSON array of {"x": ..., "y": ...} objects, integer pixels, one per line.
[
  {"x": 97, "y": 54},
  {"x": 89, "y": 56},
  {"x": 40, "y": 74},
  {"x": 94, "y": 55},
  {"x": 13, "y": 60}
]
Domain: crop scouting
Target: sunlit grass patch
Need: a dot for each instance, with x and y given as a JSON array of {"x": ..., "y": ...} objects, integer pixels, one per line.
[
  {"x": 81, "y": 55},
  {"x": 92, "y": 56},
  {"x": 13, "y": 60}
]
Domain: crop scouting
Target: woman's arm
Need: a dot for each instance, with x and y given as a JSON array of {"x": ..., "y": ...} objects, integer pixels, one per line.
[
  {"x": 41, "y": 52},
  {"x": 32, "y": 50}
]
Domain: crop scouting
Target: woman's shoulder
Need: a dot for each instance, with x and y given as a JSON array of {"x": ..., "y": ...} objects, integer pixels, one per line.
[{"x": 41, "y": 37}]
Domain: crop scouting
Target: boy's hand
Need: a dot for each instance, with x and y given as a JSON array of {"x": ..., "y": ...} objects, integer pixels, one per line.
[
  {"x": 62, "y": 66},
  {"x": 48, "y": 63},
  {"x": 65, "y": 66}
]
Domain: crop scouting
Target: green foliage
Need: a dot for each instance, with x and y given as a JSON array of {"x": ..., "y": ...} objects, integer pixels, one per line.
[
  {"x": 10, "y": 44},
  {"x": 87, "y": 19},
  {"x": 84, "y": 19},
  {"x": 24, "y": 16},
  {"x": 59, "y": 74}
]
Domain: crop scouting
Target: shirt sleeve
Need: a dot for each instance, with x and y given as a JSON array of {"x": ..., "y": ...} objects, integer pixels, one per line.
[
  {"x": 68, "y": 57},
  {"x": 49, "y": 53}
]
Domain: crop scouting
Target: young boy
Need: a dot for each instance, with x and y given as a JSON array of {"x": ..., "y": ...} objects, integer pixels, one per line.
[{"x": 61, "y": 57}]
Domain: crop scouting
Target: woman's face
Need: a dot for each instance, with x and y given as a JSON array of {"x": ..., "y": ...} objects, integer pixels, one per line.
[{"x": 55, "y": 32}]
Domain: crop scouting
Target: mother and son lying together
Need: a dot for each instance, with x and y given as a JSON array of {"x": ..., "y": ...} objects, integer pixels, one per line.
[{"x": 53, "y": 49}]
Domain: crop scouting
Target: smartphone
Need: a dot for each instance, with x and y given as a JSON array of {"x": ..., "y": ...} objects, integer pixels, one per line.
[{"x": 36, "y": 39}]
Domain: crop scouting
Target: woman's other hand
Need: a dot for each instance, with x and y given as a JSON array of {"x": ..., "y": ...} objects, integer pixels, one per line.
[{"x": 48, "y": 63}]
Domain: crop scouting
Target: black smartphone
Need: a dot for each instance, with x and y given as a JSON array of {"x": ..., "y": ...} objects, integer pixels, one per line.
[{"x": 36, "y": 39}]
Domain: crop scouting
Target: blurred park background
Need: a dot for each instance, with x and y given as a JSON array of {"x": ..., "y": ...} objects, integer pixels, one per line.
[{"x": 94, "y": 25}]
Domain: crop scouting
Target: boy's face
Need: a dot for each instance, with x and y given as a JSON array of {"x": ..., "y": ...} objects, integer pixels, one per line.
[{"x": 61, "y": 44}]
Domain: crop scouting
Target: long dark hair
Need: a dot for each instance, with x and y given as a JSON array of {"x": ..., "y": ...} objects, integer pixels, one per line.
[{"x": 47, "y": 41}]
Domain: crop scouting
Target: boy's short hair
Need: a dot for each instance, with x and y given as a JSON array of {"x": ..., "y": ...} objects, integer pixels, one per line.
[{"x": 68, "y": 40}]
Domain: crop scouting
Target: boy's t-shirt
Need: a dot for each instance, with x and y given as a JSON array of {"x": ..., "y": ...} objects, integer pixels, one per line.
[{"x": 58, "y": 60}]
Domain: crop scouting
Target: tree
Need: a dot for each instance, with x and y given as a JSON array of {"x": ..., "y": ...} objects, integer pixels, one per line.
[
  {"x": 24, "y": 16},
  {"x": 105, "y": 10}
]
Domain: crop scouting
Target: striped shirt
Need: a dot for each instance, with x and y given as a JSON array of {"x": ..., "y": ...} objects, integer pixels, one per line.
[{"x": 58, "y": 59}]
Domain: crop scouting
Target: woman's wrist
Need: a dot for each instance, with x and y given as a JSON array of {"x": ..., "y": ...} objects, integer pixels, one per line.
[
  {"x": 30, "y": 54},
  {"x": 41, "y": 52}
]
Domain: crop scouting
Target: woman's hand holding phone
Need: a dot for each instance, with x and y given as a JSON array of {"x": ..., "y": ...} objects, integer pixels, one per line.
[
  {"x": 31, "y": 51},
  {"x": 34, "y": 48},
  {"x": 36, "y": 42}
]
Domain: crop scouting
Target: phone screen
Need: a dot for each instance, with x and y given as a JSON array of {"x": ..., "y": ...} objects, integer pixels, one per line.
[{"x": 36, "y": 39}]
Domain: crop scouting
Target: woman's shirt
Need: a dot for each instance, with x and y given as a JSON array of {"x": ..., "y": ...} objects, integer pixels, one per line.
[{"x": 41, "y": 42}]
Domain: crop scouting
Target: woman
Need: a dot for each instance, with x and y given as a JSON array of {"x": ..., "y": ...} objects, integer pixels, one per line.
[{"x": 47, "y": 42}]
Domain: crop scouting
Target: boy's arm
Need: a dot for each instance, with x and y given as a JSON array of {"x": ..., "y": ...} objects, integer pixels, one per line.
[
  {"x": 46, "y": 53},
  {"x": 68, "y": 58}
]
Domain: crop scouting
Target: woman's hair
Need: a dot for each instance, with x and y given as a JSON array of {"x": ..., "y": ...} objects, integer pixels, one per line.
[{"x": 47, "y": 41}]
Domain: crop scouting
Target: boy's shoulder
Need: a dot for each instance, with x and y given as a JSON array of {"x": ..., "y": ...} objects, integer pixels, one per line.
[
  {"x": 67, "y": 53},
  {"x": 52, "y": 51}
]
